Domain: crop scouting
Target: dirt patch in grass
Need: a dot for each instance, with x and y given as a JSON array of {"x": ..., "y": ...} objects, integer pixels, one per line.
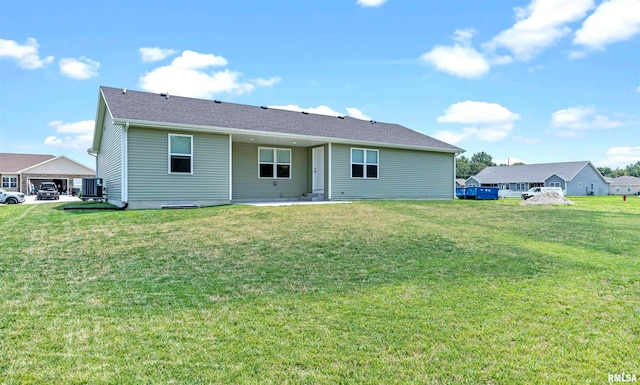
[{"x": 547, "y": 198}]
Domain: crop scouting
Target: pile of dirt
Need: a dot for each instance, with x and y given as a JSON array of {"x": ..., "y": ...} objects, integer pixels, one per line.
[{"x": 547, "y": 198}]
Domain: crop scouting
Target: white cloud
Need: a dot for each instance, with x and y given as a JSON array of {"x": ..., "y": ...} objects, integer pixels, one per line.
[
  {"x": 324, "y": 110},
  {"x": 371, "y": 3},
  {"x": 570, "y": 122},
  {"x": 81, "y": 69},
  {"x": 460, "y": 59},
  {"x": 612, "y": 21},
  {"x": 79, "y": 135},
  {"x": 267, "y": 82},
  {"x": 26, "y": 55},
  {"x": 356, "y": 113},
  {"x": 577, "y": 55},
  {"x": 539, "y": 26},
  {"x": 150, "y": 54},
  {"x": 622, "y": 156},
  {"x": 187, "y": 75},
  {"x": 194, "y": 60},
  {"x": 638, "y": 89},
  {"x": 483, "y": 121}
]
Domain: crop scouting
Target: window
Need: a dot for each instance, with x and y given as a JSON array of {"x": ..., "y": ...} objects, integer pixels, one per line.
[
  {"x": 579, "y": 184},
  {"x": 364, "y": 163},
  {"x": 9, "y": 182},
  {"x": 521, "y": 187},
  {"x": 180, "y": 154},
  {"x": 554, "y": 184},
  {"x": 274, "y": 163}
]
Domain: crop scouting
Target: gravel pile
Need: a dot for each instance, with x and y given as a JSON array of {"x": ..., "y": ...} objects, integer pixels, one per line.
[{"x": 547, "y": 198}]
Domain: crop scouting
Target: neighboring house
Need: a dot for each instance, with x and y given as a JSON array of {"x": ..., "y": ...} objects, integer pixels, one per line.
[
  {"x": 625, "y": 185},
  {"x": 20, "y": 171},
  {"x": 575, "y": 178},
  {"x": 460, "y": 182},
  {"x": 156, "y": 150}
]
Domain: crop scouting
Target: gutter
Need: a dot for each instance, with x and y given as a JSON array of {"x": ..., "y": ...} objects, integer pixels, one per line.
[{"x": 226, "y": 130}]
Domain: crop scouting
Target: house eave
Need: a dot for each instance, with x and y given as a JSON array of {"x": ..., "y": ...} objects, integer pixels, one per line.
[{"x": 277, "y": 135}]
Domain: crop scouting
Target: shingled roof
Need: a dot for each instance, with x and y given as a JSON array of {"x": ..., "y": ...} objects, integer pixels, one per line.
[
  {"x": 14, "y": 163},
  {"x": 529, "y": 173},
  {"x": 148, "y": 108}
]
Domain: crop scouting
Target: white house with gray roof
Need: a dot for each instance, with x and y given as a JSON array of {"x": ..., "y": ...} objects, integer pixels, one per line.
[
  {"x": 625, "y": 185},
  {"x": 154, "y": 150},
  {"x": 575, "y": 178}
]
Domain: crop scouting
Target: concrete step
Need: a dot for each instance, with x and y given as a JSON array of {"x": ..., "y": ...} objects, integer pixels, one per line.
[{"x": 312, "y": 197}]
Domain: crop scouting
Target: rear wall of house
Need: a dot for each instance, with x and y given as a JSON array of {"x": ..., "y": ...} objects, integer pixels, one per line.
[
  {"x": 109, "y": 161},
  {"x": 247, "y": 185},
  {"x": 587, "y": 180},
  {"x": 150, "y": 183},
  {"x": 402, "y": 174}
]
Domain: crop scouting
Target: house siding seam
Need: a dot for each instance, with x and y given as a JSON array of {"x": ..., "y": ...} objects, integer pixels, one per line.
[
  {"x": 247, "y": 185},
  {"x": 109, "y": 163},
  {"x": 151, "y": 184},
  {"x": 402, "y": 174}
]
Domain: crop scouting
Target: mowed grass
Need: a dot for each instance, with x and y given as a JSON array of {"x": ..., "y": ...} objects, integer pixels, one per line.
[{"x": 458, "y": 292}]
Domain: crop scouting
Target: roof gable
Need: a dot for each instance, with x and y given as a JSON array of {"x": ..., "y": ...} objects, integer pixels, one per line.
[
  {"x": 14, "y": 163},
  {"x": 60, "y": 165},
  {"x": 149, "y": 108}
]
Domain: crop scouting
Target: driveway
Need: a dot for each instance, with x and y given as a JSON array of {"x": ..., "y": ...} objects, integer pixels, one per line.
[{"x": 31, "y": 199}]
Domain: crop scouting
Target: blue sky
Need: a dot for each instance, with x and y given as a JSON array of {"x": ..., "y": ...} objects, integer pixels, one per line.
[{"x": 534, "y": 81}]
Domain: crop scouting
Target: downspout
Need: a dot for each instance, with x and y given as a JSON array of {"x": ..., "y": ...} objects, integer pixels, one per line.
[
  {"x": 454, "y": 175},
  {"x": 329, "y": 172},
  {"x": 125, "y": 165},
  {"x": 230, "y": 167}
]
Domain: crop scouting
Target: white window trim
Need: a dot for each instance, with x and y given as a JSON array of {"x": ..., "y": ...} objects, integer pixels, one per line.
[
  {"x": 9, "y": 181},
  {"x": 170, "y": 154},
  {"x": 364, "y": 164},
  {"x": 275, "y": 162}
]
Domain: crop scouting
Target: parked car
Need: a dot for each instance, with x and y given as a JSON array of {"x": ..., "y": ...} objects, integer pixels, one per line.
[
  {"x": 48, "y": 190},
  {"x": 10, "y": 197},
  {"x": 539, "y": 190}
]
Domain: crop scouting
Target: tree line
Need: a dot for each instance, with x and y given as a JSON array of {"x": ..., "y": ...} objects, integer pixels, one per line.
[{"x": 466, "y": 167}]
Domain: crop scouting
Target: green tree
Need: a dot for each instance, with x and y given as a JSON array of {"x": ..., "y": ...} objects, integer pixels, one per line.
[
  {"x": 480, "y": 161},
  {"x": 605, "y": 171},
  {"x": 463, "y": 167},
  {"x": 633, "y": 169}
]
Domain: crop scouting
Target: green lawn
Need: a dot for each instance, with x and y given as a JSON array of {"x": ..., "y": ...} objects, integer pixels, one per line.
[{"x": 363, "y": 293}]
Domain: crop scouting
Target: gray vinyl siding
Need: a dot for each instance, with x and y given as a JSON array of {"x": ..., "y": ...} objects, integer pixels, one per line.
[
  {"x": 402, "y": 174},
  {"x": 247, "y": 185},
  {"x": 555, "y": 179},
  {"x": 584, "y": 179},
  {"x": 109, "y": 161},
  {"x": 149, "y": 177}
]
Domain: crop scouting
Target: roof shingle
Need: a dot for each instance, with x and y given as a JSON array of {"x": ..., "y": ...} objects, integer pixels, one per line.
[
  {"x": 149, "y": 107},
  {"x": 529, "y": 172},
  {"x": 12, "y": 163}
]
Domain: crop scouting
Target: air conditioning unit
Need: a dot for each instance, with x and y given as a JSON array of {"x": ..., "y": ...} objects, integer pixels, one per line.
[{"x": 92, "y": 188}]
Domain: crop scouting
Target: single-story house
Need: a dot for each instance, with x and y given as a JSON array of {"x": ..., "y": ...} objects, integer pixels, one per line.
[
  {"x": 156, "y": 150},
  {"x": 25, "y": 172},
  {"x": 575, "y": 178},
  {"x": 625, "y": 185}
]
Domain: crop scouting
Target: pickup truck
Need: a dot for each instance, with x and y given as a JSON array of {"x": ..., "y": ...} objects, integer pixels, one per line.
[
  {"x": 539, "y": 190},
  {"x": 48, "y": 190},
  {"x": 10, "y": 197}
]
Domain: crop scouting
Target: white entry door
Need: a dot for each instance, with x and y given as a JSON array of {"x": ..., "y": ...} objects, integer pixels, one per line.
[{"x": 318, "y": 169}]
